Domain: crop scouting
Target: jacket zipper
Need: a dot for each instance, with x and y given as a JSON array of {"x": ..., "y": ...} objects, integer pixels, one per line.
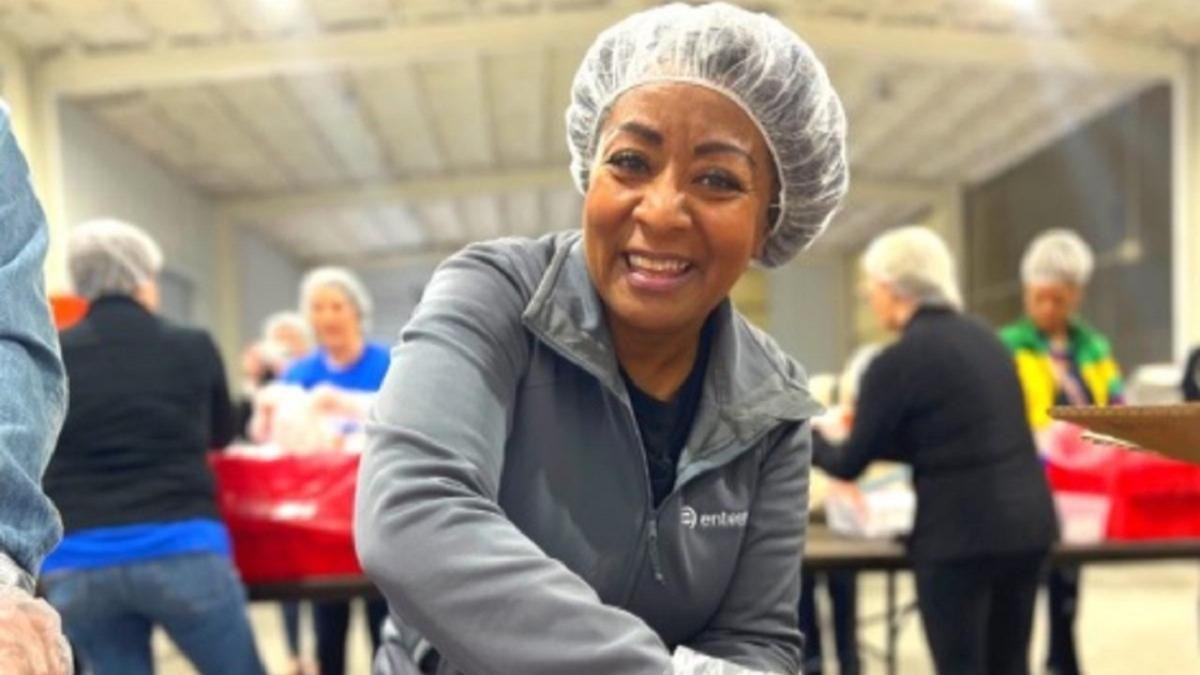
[
  {"x": 655, "y": 554},
  {"x": 649, "y": 535}
]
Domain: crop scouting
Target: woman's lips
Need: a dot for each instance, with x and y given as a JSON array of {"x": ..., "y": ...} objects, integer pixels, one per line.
[{"x": 656, "y": 273}]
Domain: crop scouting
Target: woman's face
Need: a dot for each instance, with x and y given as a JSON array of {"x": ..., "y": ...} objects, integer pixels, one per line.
[
  {"x": 291, "y": 339},
  {"x": 334, "y": 318},
  {"x": 1051, "y": 305},
  {"x": 676, "y": 206},
  {"x": 884, "y": 302}
]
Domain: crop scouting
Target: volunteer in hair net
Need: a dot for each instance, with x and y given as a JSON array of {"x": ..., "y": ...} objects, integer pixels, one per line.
[
  {"x": 344, "y": 368},
  {"x": 32, "y": 402},
  {"x": 1061, "y": 361},
  {"x": 286, "y": 337},
  {"x": 583, "y": 459},
  {"x": 945, "y": 399},
  {"x": 144, "y": 546}
]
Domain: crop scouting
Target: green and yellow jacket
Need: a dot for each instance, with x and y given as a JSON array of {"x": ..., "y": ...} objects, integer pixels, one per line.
[{"x": 1093, "y": 357}]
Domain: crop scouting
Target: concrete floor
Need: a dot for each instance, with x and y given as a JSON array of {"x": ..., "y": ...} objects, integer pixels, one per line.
[{"x": 1136, "y": 619}]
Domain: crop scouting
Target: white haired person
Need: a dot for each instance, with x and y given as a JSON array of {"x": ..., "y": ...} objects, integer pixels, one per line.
[
  {"x": 144, "y": 544},
  {"x": 338, "y": 309},
  {"x": 584, "y": 460},
  {"x": 1061, "y": 361},
  {"x": 945, "y": 399},
  {"x": 286, "y": 337}
]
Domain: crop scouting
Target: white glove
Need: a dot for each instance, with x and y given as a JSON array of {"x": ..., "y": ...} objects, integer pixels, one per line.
[
  {"x": 688, "y": 662},
  {"x": 31, "y": 639}
]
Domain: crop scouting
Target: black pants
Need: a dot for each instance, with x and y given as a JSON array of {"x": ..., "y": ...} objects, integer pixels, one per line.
[
  {"x": 843, "y": 596},
  {"x": 290, "y": 610},
  {"x": 331, "y": 619},
  {"x": 978, "y": 612},
  {"x": 1062, "y": 586}
]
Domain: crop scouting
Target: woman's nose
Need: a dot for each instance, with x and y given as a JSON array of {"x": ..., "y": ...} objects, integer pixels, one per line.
[{"x": 664, "y": 205}]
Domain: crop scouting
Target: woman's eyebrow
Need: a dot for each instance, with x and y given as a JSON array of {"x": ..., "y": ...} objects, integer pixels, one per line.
[
  {"x": 721, "y": 148},
  {"x": 642, "y": 131}
]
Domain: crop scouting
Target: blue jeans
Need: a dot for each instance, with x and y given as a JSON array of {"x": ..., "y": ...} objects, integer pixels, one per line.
[{"x": 108, "y": 614}]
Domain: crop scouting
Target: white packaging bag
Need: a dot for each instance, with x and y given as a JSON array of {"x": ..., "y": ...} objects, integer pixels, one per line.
[{"x": 688, "y": 662}]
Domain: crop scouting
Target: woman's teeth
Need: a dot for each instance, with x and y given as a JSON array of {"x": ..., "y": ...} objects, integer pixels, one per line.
[{"x": 657, "y": 265}]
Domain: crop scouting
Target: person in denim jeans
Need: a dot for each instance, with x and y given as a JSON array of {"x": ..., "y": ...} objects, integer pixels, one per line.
[
  {"x": 32, "y": 402},
  {"x": 144, "y": 543}
]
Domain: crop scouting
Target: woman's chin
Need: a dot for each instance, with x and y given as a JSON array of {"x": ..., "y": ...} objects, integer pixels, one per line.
[{"x": 653, "y": 320}]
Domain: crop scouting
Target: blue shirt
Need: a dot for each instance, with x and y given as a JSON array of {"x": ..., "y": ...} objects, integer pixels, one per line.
[
  {"x": 109, "y": 546},
  {"x": 366, "y": 374}
]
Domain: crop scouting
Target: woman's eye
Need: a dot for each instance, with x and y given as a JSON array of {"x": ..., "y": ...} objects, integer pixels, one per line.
[
  {"x": 628, "y": 161},
  {"x": 720, "y": 180}
]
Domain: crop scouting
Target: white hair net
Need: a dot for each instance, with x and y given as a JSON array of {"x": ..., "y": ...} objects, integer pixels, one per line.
[
  {"x": 111, "y": 257},
  {"x": 293, "y": 320},
  {"x": 760, "y": 65},
  {"x": 1057, "y": 256},
  {"x": 916, "y": 263},
  {"x": 345, "y": 281}
]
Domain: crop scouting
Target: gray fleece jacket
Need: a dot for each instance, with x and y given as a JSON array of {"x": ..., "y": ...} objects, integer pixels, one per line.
[{"x": 504, "y": 507}]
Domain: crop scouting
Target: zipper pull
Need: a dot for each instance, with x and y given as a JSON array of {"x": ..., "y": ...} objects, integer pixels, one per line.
[{"x": 655, "y": 559}]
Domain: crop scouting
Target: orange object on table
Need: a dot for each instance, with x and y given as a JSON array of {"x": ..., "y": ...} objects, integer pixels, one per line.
[{"x": 68, "y": 310}]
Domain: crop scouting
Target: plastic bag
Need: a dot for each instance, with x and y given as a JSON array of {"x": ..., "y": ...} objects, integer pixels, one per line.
[
  {"x": 302, "y": 421},
  {"x": 688, "y": 662}
]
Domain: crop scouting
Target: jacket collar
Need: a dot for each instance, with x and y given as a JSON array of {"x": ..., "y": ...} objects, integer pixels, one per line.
[
  {"x": 750, "y": 387},
  {"x": 123, "y": 306},
  {"x": 1079, "y": 334}
]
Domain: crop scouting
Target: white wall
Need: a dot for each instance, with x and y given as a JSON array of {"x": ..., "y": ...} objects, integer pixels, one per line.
[
  {"x": 809, "y": 302},
  {"x": 269, "y": 280},
  {"x": 396, "y": 293},
  {"x": 103, "y": 176}
]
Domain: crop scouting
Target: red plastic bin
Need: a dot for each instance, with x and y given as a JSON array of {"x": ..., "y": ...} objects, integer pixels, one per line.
[
  {"x": 290, "y": 517},
  {"x": 1152, "y": 497}
]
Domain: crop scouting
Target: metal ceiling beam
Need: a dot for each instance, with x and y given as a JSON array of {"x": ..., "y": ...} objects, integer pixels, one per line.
[
  {"x": 395, "y": 192},
  {"x": 870, "y": 190},
  {"x": 80, "y": 74}
]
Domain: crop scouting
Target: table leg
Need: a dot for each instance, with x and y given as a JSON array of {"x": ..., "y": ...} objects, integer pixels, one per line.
[{"x": 892, "y": 622}]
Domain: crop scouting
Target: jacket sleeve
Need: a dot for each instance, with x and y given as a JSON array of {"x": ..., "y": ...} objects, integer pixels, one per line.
[
  {"x": 224, "y": 421},
  {"x": 757, "y": 623},
  {"x": 428, "y": 529},
  {"x": 882, "y": 401},
  {"x": 33, "y": 393}
]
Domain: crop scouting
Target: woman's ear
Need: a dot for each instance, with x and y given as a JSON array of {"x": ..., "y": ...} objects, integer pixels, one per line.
[
  {"x": 769, "y": 217},
  {"x": 763, "y": 230},
  {"x": 760, "y": 240}
]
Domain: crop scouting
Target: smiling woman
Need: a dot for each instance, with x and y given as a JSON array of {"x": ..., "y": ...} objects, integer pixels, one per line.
[
  {"x": 582, "y": 458},
  {"x": 676, "y": 209}
]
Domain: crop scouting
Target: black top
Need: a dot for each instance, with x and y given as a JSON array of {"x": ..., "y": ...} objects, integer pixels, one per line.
[
  {"x": 147, "y": 401},
  {"x": 946, "y": 399},
  {"x": 665, "y": 425},
  {"x": 1191, "y": 377}
]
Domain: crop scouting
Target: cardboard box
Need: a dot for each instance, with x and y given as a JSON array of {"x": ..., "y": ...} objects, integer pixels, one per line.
[{"x": 1170, "y": 430}]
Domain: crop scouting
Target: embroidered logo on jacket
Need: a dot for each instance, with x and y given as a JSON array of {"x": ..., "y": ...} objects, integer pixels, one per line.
[{"x": 721, "y": 519}]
